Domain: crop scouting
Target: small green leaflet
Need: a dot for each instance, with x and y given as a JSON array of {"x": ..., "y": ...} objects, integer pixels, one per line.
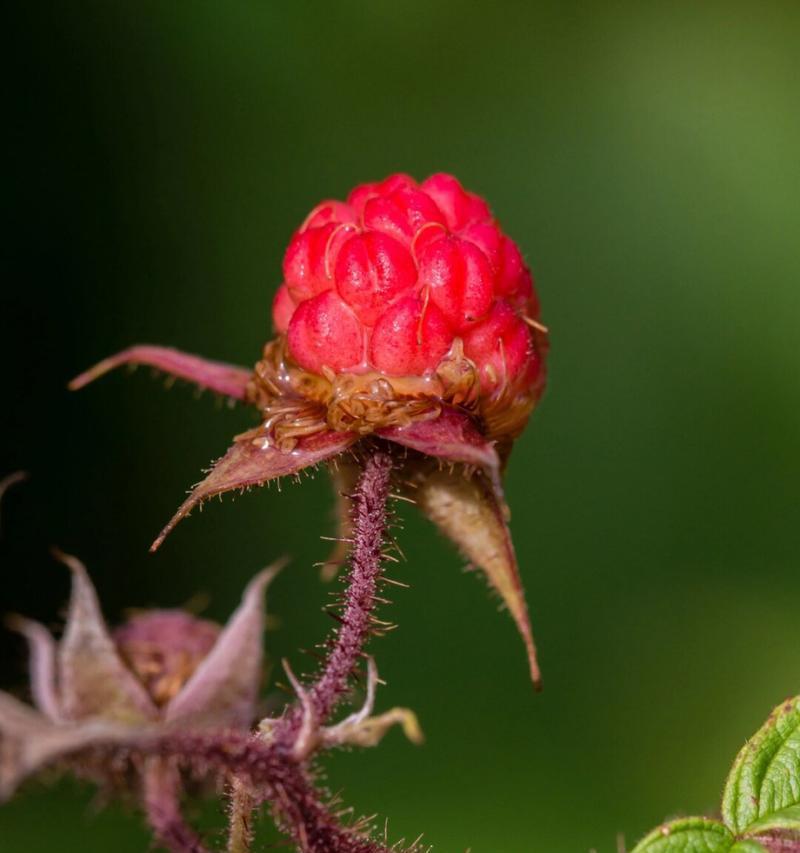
[
  {"x": 763, "y": 788},
  {"x": 761, "y": 802},
  {"x": 694, "y": 835},
  {"x": 687, "y": 835}
]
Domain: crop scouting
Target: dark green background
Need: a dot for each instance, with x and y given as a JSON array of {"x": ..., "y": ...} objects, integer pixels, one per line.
[{"x": 647, "y": 158}]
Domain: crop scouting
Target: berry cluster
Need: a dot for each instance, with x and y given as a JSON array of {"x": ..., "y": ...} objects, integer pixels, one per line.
[{"x": 390, "y": 279}]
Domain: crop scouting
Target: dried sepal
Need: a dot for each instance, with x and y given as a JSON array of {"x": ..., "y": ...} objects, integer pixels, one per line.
[
  {"x": 371, "y": 730},
  {"x": 92, "y": 677},
  {"x": 224, "y": 688},
  {"x": 363, "y": 729},
  {"x": 227, "y": 379},
  {"x": 42, "y": 666},
  {"x": 253, "y": 461},
  {"x": 29, "y": 740},
  {"x": 472, "y": 514}
]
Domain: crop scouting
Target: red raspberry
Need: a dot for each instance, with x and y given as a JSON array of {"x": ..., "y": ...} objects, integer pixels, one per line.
[
  {"x": 406, "y": 318},
  {"x": 390, "y": 280}
]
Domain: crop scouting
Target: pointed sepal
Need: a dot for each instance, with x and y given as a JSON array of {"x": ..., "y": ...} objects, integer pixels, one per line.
[
  {"x": 253, "y": 461},
  {"x": 470, "y": 512},
  {"x": 29, "y": 741},
  {"x": 451, "y": 437},
  {"x": 227, "y": 379},
  {"x": 223, "y": 690},
  {"x": 42, "y": 666},
  {"x": 93, "y": 679}
]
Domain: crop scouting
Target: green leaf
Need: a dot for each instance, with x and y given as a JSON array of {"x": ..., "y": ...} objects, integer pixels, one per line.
[
  {"x": 763, "y": 787},
  {"x": 690, "y": 835},
  {"x": 786, "y": 819},
  {"x": 748, "y": 846}
]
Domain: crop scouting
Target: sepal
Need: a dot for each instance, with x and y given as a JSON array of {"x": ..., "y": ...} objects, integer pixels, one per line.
[
  {"x": 226, "y": 379},
  {"x": 223, "y": 690},
  {"x": 471, "y": 513},
  {"x": 252, "y": 461}
]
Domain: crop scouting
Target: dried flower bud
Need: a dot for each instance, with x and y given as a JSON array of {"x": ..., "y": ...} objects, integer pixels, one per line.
[
  {"x": 160, "y": 670},
  {"x": 163, "y": 648}
]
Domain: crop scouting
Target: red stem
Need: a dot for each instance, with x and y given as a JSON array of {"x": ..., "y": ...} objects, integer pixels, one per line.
[
  {"x": 370, "y": 522},
  {"x": 274, "y": 771},
  {"x": 160, "y": 786},
  {"x": 297, "y": 804}
]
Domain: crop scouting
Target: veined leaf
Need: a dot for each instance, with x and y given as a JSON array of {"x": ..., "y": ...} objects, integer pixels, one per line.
[
  {"x": 763, "y": 787},
  {"x": 690, "y": 835},
  {"x": 787, "y": 820}
]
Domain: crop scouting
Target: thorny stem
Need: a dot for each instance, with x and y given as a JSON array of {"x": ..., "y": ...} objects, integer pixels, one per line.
[{"x": 370, "y": 523}]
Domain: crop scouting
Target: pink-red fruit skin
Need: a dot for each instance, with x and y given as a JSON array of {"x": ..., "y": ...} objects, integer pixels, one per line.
[
  {"x": 410, "y": 338},
  {"x": 389, "y": 279},
  {"x": 372, "y": 269},
  {"x": 324, "y": 332}
]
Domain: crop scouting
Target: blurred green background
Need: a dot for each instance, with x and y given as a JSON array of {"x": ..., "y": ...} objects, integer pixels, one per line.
[{"x": 647, "y": 158}]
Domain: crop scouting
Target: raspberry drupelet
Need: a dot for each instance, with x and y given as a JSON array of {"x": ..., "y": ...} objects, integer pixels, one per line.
[{"x": 406, "y": 319}]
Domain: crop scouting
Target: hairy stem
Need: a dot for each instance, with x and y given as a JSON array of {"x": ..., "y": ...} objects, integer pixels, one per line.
[
  {"x": 299, "y": 808},
  {"x": 276, "y": 770},
  {"x": 161, "y": 784},
  {"x": 240, "y": 835},
  {"x": 370, "y": 522}
]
